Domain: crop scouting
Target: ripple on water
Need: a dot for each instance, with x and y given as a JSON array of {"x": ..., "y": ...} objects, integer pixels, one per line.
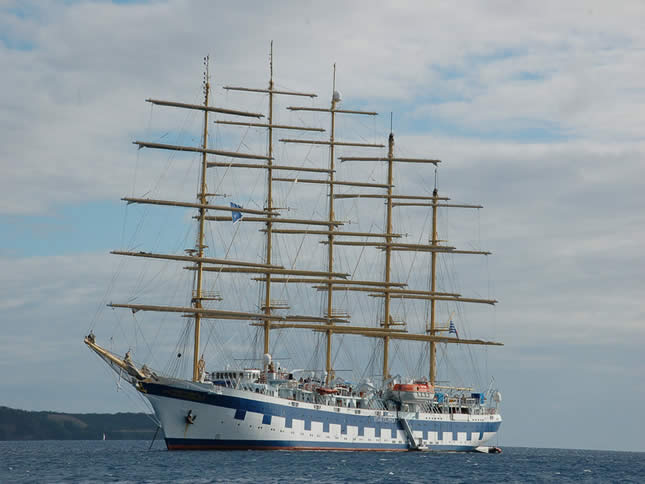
[{"x": 130, "y": 462}]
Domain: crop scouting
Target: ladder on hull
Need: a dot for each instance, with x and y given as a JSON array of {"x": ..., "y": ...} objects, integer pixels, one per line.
[{"x": 412, "y": 443}]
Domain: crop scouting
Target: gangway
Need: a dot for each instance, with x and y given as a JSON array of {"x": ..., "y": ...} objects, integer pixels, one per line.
[{"x": 412, "y": 443}]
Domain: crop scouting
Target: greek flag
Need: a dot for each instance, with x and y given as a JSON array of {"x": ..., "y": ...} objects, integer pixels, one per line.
[
  {"x": 453, "y": 329},
  {"x": 235, "y": 215}
]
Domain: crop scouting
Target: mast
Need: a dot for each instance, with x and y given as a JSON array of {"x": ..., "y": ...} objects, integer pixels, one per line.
[
  {"x": 388, "y": 255},
  {"x": 330, "y": 237},
  {"x": 388, "y": 292},
  {"x": 433, "y": 287},
  {"x": 197, "y": 297},
  {"x": 271, "y": 215},
  {"x": 269, "y": 222},
  {"x": 331, "y": 181}
]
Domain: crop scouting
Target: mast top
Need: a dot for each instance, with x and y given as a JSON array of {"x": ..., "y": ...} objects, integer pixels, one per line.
[
  {"x": 334, "y": 81},
  {"x": 335, "y": 95},
  {"x": 206, "y": 81}
]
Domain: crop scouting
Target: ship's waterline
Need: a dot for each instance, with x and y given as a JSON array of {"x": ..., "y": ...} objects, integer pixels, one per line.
[{"x": 232, "y": 419}]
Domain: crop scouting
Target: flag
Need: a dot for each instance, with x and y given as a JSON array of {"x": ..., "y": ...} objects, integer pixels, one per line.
[
  {"x": 453, "y": 329},
  {"x": 235, "y": 215}
]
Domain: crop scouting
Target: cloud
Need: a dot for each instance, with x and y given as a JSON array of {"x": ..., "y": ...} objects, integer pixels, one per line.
[
  {"x": 535, "y": 110},
  {"x": 85, "y": 70}
]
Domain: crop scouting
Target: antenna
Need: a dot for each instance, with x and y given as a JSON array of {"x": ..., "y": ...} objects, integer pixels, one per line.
[
  {"x": 391, "y": 115},
  {"x": 271, "y": 61},
  {"x": 334, "y": 84},
  {"x": 206, "y": 82},
  {"x": 335, "y": 96}
]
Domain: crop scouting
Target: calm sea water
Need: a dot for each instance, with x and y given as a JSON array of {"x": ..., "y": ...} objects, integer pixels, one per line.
[{"x": 132, "y": 462}]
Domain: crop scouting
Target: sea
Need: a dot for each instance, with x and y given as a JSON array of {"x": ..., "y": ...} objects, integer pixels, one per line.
[{"x": 128, "y": 461}]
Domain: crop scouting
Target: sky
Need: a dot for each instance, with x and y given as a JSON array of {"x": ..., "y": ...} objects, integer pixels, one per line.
[{"x": 536, "y": 110}]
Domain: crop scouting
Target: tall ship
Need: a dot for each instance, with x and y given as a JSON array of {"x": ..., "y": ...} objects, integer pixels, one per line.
[{"x": 339, "y": 316}]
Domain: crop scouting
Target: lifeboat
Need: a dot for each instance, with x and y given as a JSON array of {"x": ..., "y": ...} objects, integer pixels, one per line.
[
  {"x": 413, "y": 387},
  {"x": 326, "y": 391},
  {"x": 416, "y": 392}
]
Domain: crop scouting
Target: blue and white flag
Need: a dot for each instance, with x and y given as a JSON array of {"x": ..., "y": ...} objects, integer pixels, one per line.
[
  {"x": 453, "y": 329},
  {"x": 235, "y": 215}
]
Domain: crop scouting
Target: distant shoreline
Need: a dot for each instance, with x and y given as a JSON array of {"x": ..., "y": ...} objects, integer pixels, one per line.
[
  {"x": 27, "y": 425},
  {"x": 23, "y": 425}
]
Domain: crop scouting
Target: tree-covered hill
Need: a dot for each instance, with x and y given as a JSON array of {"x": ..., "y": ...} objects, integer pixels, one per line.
[{"x": 24, "y": 425}]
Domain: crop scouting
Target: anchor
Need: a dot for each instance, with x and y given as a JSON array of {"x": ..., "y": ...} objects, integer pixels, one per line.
[{"x": 190, "y": 418}]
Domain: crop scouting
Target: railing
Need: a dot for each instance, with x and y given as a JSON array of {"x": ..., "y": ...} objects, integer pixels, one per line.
[{"x": 451, "y": 406}]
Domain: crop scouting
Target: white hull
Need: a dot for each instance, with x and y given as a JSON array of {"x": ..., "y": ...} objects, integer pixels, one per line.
[{"x": 227, "y": 418}]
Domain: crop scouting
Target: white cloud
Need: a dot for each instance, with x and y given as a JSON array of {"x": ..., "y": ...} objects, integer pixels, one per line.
[{"x": 536, "y": 110}]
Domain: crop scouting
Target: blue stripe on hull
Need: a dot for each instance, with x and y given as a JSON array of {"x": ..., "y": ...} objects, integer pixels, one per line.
[
  {"x": 243, "y": 405},
  {"x": 211, "y": 444}
]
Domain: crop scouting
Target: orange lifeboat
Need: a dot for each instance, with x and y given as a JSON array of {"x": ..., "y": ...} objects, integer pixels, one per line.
[
  {"x": 413, "y": 387},
  {"x": 326, "y": 391},
  {"x": 416, "y": 392}
]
